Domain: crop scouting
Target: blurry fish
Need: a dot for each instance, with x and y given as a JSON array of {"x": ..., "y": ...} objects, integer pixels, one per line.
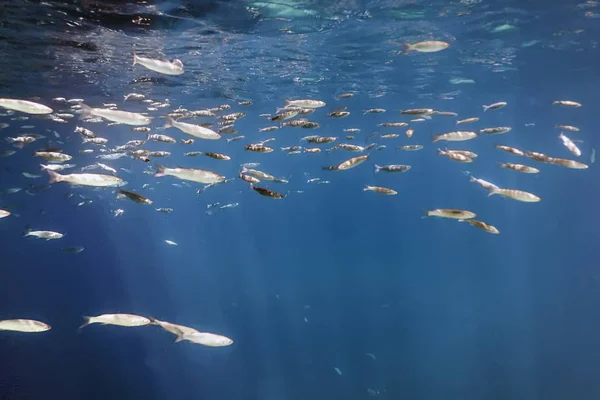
[
  {"x": 567, "y": 103},
  {"x": 457, "y": 136},
  {"x": 520, "y": 168},
  {"x": 411, "y": 147},
  {"x": 194, "y": 175},
  {"x": 127, "y": 320},
  {"x": 123, "y": 117},
  {"x": 429, "y": 46},
  {"x": 495, "y": 131},
  {"x": 305, "y": 103},
  {"x": 450, "y": 213},
  {"x": 170, "y": 242},
  {"x": 511, "y": 150},
  {"x": 24, "y": 325},
  {"x": 392, "y": 168},
  {"x": 495, "y": 106},
  {"x": 481, "y": 225},
  {"x": 162, "y": 67},
  {"x": 515, "y": 195},
  {"x": 379, "y": 189},
  {"x": 48, "y": 235},
  {"x": 568, "y": 143},
  {"x": 467, "y": 120},
  {"x": 73, "y": 250},
  {"x": 267, "y": 193},
  {"x": 28, "y": 107},
  {"x": 138, "y": 198},
  {"x": 193, "y": 130},
  {"x": 4, "y": 213}
]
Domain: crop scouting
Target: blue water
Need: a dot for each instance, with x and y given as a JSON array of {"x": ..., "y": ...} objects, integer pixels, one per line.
[{"x": 316, "y": 281}]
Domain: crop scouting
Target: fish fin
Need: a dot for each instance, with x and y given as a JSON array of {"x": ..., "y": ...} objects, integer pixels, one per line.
[
  {"x": 86, "y": 111},
  {"x": 160, "y": 171},
  {"x": 168, "y": 122},
  {"x": 407, "y": 48},
  {"x": 134, "y": 59},
  {"x": 19, "y": 145},
  {"x": 179, "y": 338},
  {"x": 54, "y": 176},
  {"x": 87, "y": 321}
]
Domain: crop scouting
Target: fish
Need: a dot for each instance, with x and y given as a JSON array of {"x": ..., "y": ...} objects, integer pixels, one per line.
[
  {"x": 515, "y": 194},
  {"x": 4, "y": 213},
  {"x": 205, "y": 339},
  {"x": 520, "y": 168},
  {"x": 511, "y": 150},
  {"x": 567, "y": 103},
  {"x": 568, "y": 143},
  {"x": 73, "y": 250},
  {"x": 428, "y": 46},
  {"x": 454, "y": 156},
  {"x": 48, "y": 235},
  {"x": 138, "y": 198},
  {"x": 267, "y": 193},
  {"x": 25, "y": 106},
  {"x": 418, "y": 111},
  {"x": 305, "y": 103},
  {"x": 188, "y": 174},
  {"x": 392, "y": 168},
  {"x": 456, "y": 136},
  {"x": 123, "y": 117},
  {"x": 495, "y": 131},
  {"x": 451, "y": 213},
  {"x": 162, "y": 67},
  {"x": 569, "y": 128},
  {"x": 481, "y": 225},
  {"x": 495, "y": 106},
  {"x": 379, "y": 189},
  {"x": 24, "y": 325},
  {"x": 467, "y": 120},
  {"x": 484, "y": 184},
  {"x": 170, "y": 242},
  {"x": 126, "y": 320},
  {"x": 192, "y": 130},
  {"x": 53, "y": 156},
  {"x": 96, "y": 180},
  {"x": 410, "y": 147}
]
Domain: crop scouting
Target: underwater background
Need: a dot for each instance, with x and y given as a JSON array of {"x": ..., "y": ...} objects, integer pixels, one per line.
[{"x": 331, "y": 292}]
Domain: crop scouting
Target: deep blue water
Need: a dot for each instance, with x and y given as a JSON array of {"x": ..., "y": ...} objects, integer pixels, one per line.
[{"x": 448, "y": 311}]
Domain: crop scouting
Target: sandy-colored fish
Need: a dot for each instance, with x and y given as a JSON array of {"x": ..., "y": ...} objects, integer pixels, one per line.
[
  {"x": 567, "y": 163},
  {"x": 162, "y": 67},
  {"x": 495, "y": 131},
  {"x": 511, "y": 150},
  {"x": 192, "y": 129},
  {"x": 127, "y": 320},
  {"x": 467, "y": 120},
  {"x": 392, "y": 168},
  {"x": 188, "y": 174},
  {"x": 411, "y": 147},
  {"x": 454, "y": 156},
  {"x": 351, "y": 163},
  {"x": 25, "y": 106},
  {"x": 520, "y": 168},
  {"x": 428, "y": 46},
  {"x": 24, "y": 325},
  {"x": 484, "y": 184},
  {"x": 4, "y": 213},
  {"x": 481, "y": 225},
  {"x": 515, "y": 195},
  {"x": 205, "y": 339},
  {"x": 566, "y": 103},
  {"x": 138, "y": 198},
  {"x": 122, "y": 117},
  {"x": 569, "y": 128},
  {"x": 48, "y": 235},
  {"x": 97, "y": 180},
  {"x": 380, "y": 189},
  {"x": 495, "y": 106},
  {"x": 568, "y": 143},
  {"x": 465, "y": 153},
  {"x": 457, "y": 136},
  {"x": 53, "y": 156},
  {"x": 305, "y": 103},
  {"x": 450, "y": 213}
]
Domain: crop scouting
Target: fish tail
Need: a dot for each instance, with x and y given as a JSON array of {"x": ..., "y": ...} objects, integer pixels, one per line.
[
  {"x": 406, "y": 48},
  {"x": 160, "y": 171},
  {"x": 87, "y": 321},
  {"x": 287, "y": 102},
  {"x": 86, "y": 111},
  {"x": 485, "y": 108},
  {"x": 472, "y": 179},
  {"x": 168, "y": 121},
  {"x": 44, "y": 167},
  {"x": 26, "y": 230},
  {"x": 135, "y": 59},
  {"x": 366, "y": 188},
  {"x": 426, "y": 214},
  {"x": 439, "y": 152},
  {"x": 54, "y": 177},
  {"x": 377, "y": 168},
  {"x": 436, "y": 138}
]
